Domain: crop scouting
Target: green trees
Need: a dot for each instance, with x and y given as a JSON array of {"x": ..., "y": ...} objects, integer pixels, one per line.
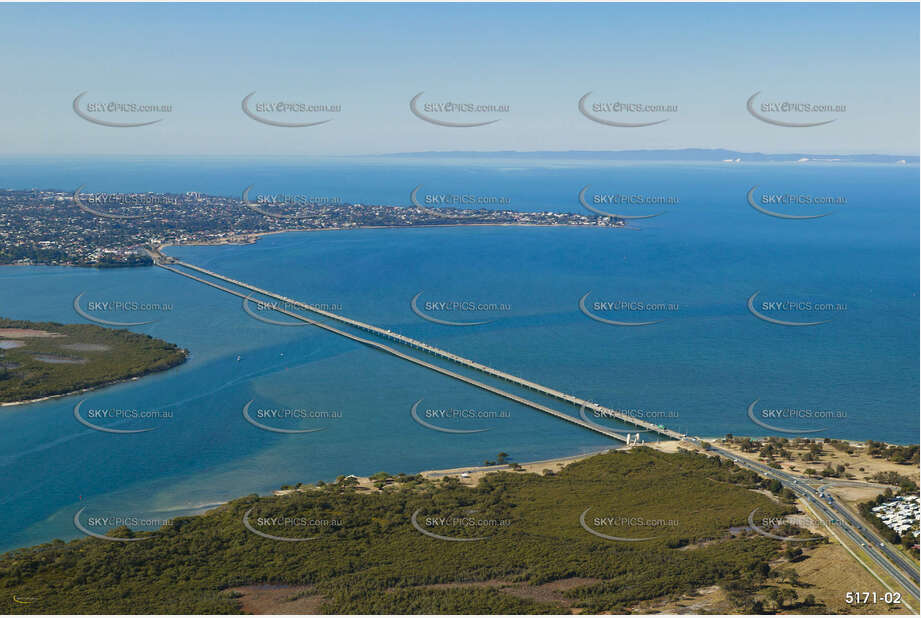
[
  {"x": 373, "y": 559},
  {"x": 906, "y": 485},
  {"x": 901, "y": 454},
  {"x": 107, "y": 355}
]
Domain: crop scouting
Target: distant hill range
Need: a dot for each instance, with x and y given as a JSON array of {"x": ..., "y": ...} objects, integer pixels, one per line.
[{"x": 685, "y": 154}]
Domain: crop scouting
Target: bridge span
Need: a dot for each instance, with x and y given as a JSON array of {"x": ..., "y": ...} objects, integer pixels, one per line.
[{"x": 169, "y": 263}]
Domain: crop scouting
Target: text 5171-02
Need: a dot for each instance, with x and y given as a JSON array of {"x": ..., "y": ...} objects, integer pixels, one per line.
[{"x": 865, "y": 598}]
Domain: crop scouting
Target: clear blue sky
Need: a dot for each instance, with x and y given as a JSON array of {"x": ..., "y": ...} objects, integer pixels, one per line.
[{"x": 539, "y": 59}]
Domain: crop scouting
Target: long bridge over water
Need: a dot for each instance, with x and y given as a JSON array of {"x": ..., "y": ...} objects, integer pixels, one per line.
[{"x": 170, "y": 264}]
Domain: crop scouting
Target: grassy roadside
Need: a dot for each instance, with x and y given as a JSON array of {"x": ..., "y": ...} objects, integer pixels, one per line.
[{"x": 866, "y": 576}]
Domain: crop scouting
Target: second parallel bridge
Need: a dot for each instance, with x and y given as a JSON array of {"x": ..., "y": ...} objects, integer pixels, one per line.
[{"x": 438, "y": 352}]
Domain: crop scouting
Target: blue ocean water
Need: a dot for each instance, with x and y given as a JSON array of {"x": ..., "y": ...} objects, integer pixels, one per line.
[{"x": 697, "y": 370}]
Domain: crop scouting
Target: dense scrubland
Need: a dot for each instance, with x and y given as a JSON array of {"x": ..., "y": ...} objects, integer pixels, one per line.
[
  {"x": 367, "y": 557},
  {"x": 81, "y": 356}
]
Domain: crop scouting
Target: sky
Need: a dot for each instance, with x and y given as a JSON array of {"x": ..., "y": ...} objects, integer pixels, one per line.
[{"x": 704, "y": 61}]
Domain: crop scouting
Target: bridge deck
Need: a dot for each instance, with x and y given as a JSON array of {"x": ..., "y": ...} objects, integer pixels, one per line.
[{"x": 492, "y": 389}]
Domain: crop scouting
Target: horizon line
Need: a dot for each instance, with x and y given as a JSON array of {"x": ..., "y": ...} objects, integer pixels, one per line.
[{"x": 475, "y": 152}]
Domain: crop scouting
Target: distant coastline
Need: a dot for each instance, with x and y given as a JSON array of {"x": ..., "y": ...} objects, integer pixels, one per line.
[
  {"x": 197, "y": 218},
  {"x": 635, "y": 155},
  {"x": 690, "y": 155}
]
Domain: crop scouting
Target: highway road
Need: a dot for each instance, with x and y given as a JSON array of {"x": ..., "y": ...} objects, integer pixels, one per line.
[
  {"x": 888, "y": 559},
  {"x": 872, "y": 535}
]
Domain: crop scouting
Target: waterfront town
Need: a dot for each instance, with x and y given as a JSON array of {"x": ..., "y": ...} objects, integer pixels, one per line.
[{"x": 80, "y": 228}]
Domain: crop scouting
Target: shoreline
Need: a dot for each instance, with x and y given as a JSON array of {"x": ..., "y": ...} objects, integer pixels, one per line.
[
  {"x": 253, "y": 237},
  {"x": 553, "y": 461},
  {"x": 59, "y": 395},
  {"x": 90, "y": 388},
  {"x": 466, "y": 475},
  {"x": 470, "y": 475}
]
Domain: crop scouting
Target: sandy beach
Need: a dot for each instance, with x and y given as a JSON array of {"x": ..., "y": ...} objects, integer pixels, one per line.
[
  {"x": 58, "y": 396},
  {"x": 471, "y": 475}
]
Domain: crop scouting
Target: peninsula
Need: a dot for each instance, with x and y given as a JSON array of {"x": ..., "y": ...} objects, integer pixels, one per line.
[{"x": 79, "y": 228}]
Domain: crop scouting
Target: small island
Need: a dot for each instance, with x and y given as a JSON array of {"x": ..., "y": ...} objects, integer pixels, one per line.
[{"x": 40, "y": 360}]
